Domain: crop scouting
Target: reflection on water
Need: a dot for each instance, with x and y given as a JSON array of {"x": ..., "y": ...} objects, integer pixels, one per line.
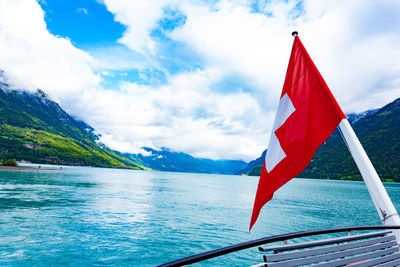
[{"x": 95, "y": 216}]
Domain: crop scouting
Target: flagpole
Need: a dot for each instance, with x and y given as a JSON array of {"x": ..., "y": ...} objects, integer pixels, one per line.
[
  {"x": 380, "y": 198},
  {"x": 383, "y": 203}
]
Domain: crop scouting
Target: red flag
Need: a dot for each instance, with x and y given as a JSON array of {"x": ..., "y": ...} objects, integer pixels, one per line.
[{"x": 307, "y": 115}]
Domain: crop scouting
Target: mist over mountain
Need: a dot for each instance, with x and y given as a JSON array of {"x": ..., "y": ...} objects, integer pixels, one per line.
[
  {"x": 167, "y": 160},
  {"x": 36, "y": 129}
]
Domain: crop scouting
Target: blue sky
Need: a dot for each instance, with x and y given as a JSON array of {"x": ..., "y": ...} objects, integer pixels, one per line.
[
  {"x": 202, "y": 77},
  {"x": 91, "y": 27},
  {"x": 86, "y": 22}
]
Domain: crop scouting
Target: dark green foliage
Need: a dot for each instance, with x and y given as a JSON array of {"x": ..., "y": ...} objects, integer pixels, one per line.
[
  {"x": 36, "y": 111},
  {"x": 256, "y": 171},
  {"x": 9, "y": 162},
  {"x": 254, "y": 167},
  {"x": 379, "y": 133}
]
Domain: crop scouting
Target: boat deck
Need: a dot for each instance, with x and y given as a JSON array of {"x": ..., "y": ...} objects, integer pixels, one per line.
[{"x": 377, "y": 248}]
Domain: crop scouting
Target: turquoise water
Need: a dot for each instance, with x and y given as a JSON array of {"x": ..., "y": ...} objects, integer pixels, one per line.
[{"x": 107, "y": 217}]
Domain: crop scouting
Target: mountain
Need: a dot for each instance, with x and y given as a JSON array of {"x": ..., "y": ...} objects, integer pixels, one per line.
[
  {"x": 36, "y": 129},
  {"x": 167, "y": 160},
  {"x": 254, "y": 166},
  {"x": 353, "y": 117},
  {"x": 379, "y": 133}
]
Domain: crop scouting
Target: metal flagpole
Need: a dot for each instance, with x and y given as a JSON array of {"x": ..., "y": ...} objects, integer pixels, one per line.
[{"x": 383, "y": 203}]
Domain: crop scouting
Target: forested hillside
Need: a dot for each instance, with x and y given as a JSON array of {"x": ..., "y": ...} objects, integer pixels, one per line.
[
  {"x": 379, "y": 133},
  {"x": 36, "y": 129}
]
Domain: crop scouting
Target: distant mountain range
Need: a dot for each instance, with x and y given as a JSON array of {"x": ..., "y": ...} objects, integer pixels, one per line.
[
  {"x": 167, "y": 160},
  {"x": 379, "y": 133},
  {"x": 36, "y": 129}
]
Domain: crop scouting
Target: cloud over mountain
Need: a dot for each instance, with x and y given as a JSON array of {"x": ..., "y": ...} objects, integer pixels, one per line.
[{"x": 208, "y": 73}]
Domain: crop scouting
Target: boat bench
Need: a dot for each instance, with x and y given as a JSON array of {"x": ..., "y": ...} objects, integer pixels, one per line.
[{"x": 368, "y": 249}]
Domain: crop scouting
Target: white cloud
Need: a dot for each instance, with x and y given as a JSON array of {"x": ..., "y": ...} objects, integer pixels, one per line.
[
  {"x": 354, "y": 48},
  {"x": 353, "y": 43},
  {"x": 82, "y": 10},
  {"x": 360, "y": 65},
  {"x": 353, "y": 60},
  {"x": 184, "y": 114},
  {"x": 248, "y": 44},
  {"x": 107, "y": 74},
  {"x": 141, "y": 17},
  {"x": 34, "y": 58},
  {"x": 116, "y": 58}
]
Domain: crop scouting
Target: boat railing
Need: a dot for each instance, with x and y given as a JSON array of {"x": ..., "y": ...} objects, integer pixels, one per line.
[{"x": 320, "y": 246}]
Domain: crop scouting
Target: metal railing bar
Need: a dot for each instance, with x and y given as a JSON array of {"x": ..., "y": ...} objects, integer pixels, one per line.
[{"x": 265, "y": 240}]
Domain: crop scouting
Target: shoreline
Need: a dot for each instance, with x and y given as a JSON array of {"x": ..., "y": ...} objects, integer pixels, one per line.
[
  {"x": 59, "y": 168},
  {"x": 28, "y": 168}
]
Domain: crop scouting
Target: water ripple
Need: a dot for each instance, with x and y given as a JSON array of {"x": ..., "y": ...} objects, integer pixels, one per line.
[{"x": 105, "y": 217}]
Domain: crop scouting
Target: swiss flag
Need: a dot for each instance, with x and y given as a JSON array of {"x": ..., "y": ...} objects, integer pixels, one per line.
[{"x": 307, "y": 115}]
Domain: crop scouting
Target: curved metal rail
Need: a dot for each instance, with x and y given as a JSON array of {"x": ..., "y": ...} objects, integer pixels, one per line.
[{"x": 265, "y": 240}]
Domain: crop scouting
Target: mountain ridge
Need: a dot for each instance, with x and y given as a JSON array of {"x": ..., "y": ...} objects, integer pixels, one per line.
[
  {"x": 165, "y": 159},
  {"x": 379, "y": 133},
  {"x": 36, "y": 129}
]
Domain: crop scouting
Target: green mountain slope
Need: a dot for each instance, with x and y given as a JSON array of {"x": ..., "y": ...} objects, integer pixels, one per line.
[
  {"x": 379, "y": 133},
  {"x": 254, "y": 167},
  {"x": 36, "y": 129}
]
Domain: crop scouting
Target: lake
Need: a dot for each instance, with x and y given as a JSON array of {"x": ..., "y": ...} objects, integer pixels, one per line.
[{"x": 111, "y": 217}]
